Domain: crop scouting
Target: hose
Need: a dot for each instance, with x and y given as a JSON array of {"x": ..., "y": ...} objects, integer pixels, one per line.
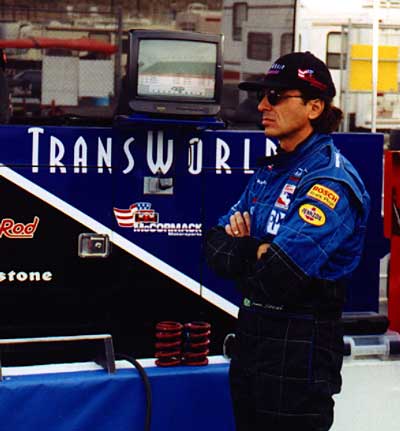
[{"x": 147, "y": 386}]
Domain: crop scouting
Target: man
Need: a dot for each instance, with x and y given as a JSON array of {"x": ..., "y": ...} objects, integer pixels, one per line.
[{"x": 290, "y": 241}]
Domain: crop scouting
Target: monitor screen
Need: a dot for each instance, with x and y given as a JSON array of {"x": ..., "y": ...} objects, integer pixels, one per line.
[
  {"x": 177, "y": 68},
  {"x": 174, "y": 73}
]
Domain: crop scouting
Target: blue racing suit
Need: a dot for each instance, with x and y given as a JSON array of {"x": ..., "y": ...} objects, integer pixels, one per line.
[{"x": 311, "y": 206}]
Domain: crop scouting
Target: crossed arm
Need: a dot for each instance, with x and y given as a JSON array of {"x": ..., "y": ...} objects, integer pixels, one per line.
[
  {"x": 239, "y": 227},
  {"x": 262, "y": 271}
]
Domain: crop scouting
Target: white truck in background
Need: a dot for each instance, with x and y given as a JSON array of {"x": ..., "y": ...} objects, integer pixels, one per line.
[
  {"x": 259, "y": 31},
  {"x": 197, "y": 17}
]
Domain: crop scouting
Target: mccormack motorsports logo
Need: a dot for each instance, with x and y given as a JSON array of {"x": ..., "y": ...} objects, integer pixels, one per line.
[{"x": 142, "y": 218}]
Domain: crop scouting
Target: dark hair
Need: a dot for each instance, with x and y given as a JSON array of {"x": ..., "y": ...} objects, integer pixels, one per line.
[{"x": 329, "y": 119}]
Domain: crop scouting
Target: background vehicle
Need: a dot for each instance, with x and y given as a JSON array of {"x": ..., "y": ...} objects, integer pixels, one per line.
[
  {"x": 197, "y": 17},
  {"x": 257, "y": 32}
]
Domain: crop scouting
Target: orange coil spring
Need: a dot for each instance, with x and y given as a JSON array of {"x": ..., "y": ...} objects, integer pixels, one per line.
[
  {"x": 196, "y": 345},
  {"x": 169, "y": 343}
]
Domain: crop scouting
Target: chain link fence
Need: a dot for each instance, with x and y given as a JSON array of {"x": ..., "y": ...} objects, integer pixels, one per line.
[
  {"x": 68, "y": 59},
  {"x": 64, "y": 61}
]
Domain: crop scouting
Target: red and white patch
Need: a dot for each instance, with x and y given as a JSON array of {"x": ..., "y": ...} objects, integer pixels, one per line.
[{"x": 285, "y": 197}]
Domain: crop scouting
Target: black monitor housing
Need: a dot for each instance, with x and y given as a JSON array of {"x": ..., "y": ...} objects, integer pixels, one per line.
[{"x": 174, "y": 73}]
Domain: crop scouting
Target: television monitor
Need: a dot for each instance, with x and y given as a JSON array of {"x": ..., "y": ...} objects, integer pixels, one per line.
[{"x": 174, "y": 73}]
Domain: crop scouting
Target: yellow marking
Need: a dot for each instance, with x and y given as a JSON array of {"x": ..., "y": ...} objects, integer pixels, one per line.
[
  {"x": 312, "y": 215},
  {"x": 324, "y": 195}
]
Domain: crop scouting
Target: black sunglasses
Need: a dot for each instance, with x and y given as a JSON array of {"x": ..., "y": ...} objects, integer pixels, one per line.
[{"x": 274, "y": 97}]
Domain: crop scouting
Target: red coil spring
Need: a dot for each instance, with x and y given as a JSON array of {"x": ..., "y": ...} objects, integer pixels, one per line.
[
  {"x": 196, "y": 346},
  {"x": 169, "y": 343}
]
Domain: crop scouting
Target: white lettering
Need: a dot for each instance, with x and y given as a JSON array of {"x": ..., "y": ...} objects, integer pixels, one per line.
[
  {"x": 36, "y": 131},
  {"x": 24, "y": 276},
  {"x": 199, "y": 156},
  {"x": 175, "y": 229},
  {"x": 159, "y": 165},
  {"x": 131, "y": 161},
  {"x": 221, "y": 156},
  {"x": 57, "y": 152},
  {"x": 34, "y": 276},
  {"x": 246, "y": 157},
  {"x": 47, "y": 276},
  {"x": 270, "y": 147},
  {"x": 80, "y": 156},
  {"x": 104, "y": 155},
  {"x": 159, "y": 154}
]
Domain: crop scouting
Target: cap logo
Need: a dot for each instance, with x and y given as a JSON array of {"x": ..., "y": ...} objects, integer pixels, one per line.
[
  {"x": 275, "y": 69},
  {"x": 307, "y": 75}
]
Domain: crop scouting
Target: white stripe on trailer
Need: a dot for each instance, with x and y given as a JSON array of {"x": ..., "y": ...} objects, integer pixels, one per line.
[{"x": 136, "y": 251}]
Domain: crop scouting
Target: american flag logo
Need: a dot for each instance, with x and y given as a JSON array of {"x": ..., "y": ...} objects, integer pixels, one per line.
[
  {"x": 137, "y": 212},
  {"x": 307, "y": 75}
]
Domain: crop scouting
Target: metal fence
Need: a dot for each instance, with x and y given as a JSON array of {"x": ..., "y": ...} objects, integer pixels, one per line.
[
  {"x": 52, "y": 78},
  {"x": 64, "y": 61}
]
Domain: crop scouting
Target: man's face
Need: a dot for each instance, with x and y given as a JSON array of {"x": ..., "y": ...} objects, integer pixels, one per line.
[{"x": 289, "y": 118}]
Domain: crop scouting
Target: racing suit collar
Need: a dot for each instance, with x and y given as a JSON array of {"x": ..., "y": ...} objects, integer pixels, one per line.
[{"x": 286, "y": 159}]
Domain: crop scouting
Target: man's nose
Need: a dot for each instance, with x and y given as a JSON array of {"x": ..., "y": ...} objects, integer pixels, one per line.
[{"x": 264, "y": 105}]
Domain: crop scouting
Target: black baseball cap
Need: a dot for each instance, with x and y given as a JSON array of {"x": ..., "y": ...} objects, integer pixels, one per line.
[{"x": 298, "y": 70}]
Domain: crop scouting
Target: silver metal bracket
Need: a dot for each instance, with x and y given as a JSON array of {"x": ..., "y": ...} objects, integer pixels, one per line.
[{"x": 104, "y": 356}]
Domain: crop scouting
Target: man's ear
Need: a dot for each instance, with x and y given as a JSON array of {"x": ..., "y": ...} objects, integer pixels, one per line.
[{"x": 316, "y": 107}]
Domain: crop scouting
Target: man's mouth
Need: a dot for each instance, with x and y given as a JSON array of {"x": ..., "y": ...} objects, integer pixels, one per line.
[{"x": 267, "y": 120}]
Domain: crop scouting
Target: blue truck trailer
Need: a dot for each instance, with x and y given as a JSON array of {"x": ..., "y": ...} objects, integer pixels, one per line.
[
  {"x": 102, "y": 233},
  {"x": 102, "y": 227}
]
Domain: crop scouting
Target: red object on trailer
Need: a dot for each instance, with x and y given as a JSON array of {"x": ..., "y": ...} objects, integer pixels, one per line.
[
  {"x": 169, "y": 343},
  {"x": 81, "y": 44},
  {"x": 392, "y": 232}
]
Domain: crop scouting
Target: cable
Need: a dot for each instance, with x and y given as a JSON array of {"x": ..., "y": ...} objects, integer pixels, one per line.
[{"x": 147, "y": 386}]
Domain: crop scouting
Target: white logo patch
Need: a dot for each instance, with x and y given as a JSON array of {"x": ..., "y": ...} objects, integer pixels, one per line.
[
  {"x": 285, "y": 197},
  {"x": 274, "y": 221}
]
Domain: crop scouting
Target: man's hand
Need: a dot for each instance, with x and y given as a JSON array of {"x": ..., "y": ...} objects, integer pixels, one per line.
[
  {"x": 239, "y": 225},
  {"x": 262, "y": 248}
]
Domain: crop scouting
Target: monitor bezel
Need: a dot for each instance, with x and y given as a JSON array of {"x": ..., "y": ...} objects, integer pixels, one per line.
[{"x": 170, "y": 105}]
